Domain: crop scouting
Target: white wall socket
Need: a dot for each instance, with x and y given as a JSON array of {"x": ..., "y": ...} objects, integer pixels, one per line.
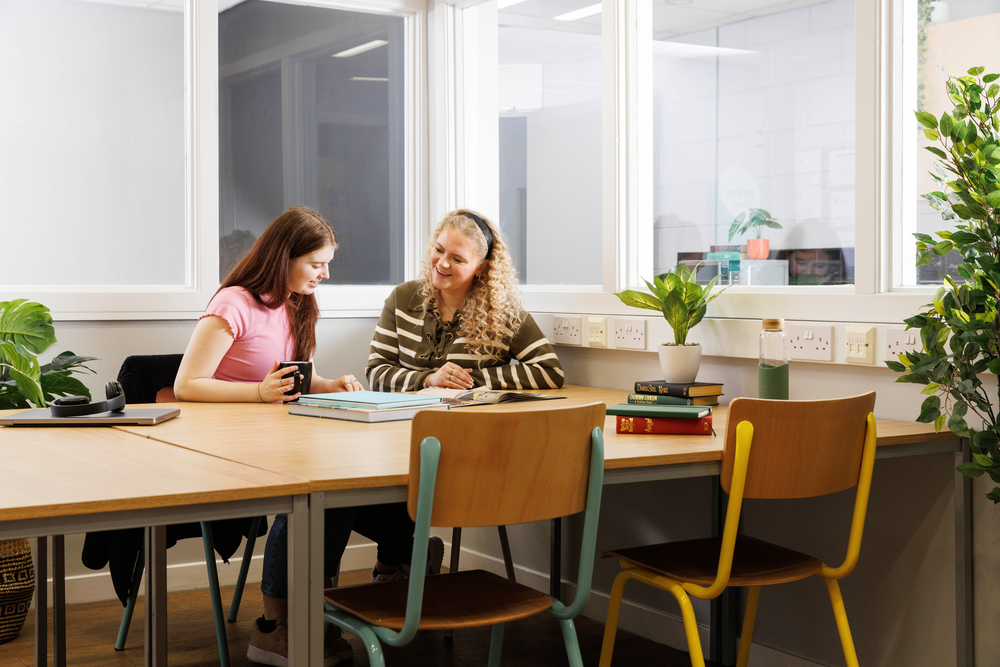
[
  {"x": 898, "y": 341},
  {"x": 813, "y": 342},
  {"x": 860, "y": 344},
  {"x": 597, "y": 331},
  {"x": 630, "y": 333},
  {"x": 566, "y": 330}
]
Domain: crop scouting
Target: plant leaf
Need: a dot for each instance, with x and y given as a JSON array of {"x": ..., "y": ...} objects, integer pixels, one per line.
[
  {"x": 676, "y": 313},
  {"x": 927, "y": 120},
  {"x": 734, "y": 228},
  {"x": 62, "y": 384},
  {"x": 24, "y": 371},
  {"x": 639, "y": 300},
  {"x": 27, "y": 325},
  {"x": 68, "y": 361}
]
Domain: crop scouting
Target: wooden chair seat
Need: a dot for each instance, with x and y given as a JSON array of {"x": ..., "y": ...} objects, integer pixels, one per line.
[
  {"x": 755, "y": 562},
  {"x": 467, "y": 599}
]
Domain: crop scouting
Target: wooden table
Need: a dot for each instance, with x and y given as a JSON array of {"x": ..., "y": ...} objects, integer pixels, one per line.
[
  {"x": 349, "y": 463},
  {"x": 55, "y": 481}
]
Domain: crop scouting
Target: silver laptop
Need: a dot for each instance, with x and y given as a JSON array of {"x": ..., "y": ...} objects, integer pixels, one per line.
[{"x": 128, "y": 416}]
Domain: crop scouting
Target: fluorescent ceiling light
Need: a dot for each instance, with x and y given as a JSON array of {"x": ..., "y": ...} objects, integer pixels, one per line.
[
  {"x": 367, "y": 46},
  {"x": 368, "y": 78},
  {"x": 688, "y": 51},
  {"x": 580, "y": 13},
  {"x": 504, "y": 4}
]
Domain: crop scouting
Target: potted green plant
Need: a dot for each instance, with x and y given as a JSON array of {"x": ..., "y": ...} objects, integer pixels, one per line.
[
  {"x": 683, "y": 303},
  {"x": 25, "y": 331},
  {"x": 959, "y": 329},
  {"x": 757, "y": 248}
]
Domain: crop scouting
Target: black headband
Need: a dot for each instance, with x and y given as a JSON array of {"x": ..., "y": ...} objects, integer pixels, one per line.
[{"x": 485, "y": 229}]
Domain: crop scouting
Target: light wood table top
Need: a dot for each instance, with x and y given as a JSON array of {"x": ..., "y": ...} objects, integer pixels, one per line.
[
  {"x": 50, "y": 472},
  {"x": 335, "y": 454}
]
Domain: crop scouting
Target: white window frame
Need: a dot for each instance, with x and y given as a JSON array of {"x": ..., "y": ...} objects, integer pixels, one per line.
[{"x": 201, "y": 223}]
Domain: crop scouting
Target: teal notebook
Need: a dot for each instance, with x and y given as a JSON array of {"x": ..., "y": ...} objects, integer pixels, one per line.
[
  {"x": 674, "y": 411},
  {"x": 370, "y": 400}
]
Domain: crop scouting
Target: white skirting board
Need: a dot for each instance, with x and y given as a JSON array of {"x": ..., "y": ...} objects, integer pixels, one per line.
[{"x": 653, "y": 624}]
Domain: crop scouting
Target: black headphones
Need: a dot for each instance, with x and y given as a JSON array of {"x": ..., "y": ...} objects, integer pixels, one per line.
[{"x": 79, "y": 406}]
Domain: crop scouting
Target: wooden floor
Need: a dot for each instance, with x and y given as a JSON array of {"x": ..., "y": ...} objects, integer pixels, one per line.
[{"x": 534, "y": 642}]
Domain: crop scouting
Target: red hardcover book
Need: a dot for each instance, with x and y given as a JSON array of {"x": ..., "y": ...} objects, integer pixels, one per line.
[{"x": 664, "y": 425}]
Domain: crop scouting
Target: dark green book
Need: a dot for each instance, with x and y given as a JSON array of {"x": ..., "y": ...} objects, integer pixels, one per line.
[
  {"x": 657, "y": 399},
  {"x": 673, "y": 411}
]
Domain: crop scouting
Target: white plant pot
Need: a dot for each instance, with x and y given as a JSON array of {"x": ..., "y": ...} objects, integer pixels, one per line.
[{"x": 680, "y": 363}]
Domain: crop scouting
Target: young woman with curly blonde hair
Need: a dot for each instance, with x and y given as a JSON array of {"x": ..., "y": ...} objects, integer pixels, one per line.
[{"x": 461, "y": 324}]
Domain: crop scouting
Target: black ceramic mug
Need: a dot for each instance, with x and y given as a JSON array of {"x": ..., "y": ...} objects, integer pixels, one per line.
[{"x": 302, "y": 377}]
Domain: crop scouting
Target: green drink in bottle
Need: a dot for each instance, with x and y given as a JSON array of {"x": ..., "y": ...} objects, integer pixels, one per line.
[{"x": 772, "y": 369}]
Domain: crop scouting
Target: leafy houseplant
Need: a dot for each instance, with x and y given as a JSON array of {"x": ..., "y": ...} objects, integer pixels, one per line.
[
  {"x": 26, "y": 331},
  {"x": 683, "y": 303},
  {"x": 757, "y": 248},
  {"x": 959, "y": 329}
]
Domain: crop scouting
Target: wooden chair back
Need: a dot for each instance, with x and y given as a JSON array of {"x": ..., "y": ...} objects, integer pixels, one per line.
[
  {"x": 506, "y": 467},
  {"x": 800, "y": 448}
]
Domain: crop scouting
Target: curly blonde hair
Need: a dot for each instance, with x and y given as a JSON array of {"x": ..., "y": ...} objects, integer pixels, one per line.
[{"x": 492, "y": 312}]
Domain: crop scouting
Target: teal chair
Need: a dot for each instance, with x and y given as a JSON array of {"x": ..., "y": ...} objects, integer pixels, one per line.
[{"x": 484, "y": 469}]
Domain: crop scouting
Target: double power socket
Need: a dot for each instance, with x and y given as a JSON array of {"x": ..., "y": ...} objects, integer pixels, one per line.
[{"x": 625, "y": 332}]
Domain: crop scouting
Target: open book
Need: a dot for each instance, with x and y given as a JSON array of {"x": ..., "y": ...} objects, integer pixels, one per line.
[{"x": 483, "y": 396}]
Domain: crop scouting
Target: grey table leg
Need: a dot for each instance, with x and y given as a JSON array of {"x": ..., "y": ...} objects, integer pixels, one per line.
[
  {"x": 317, "y": 577},
  {"x": 59, "y": 600},
  {"x": 156, "y": 596},
  {"x": 964, "y": 635},
  {"x": 722, "y": 648},
  {"x": 555, "y": 568},
  {"x": 298, "y": 583},
  {"x": 41, "y": 601}
]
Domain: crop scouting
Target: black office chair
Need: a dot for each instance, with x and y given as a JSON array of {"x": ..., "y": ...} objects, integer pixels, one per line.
[{"x": 150, "y": 379}]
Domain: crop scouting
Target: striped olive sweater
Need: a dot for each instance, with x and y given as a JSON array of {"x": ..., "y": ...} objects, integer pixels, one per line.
[{"x": 409, "y": 345}]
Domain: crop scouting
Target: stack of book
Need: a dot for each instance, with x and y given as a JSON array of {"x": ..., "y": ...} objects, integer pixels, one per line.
[
  {"x": 658, "y": 392},
  {"x": 364, "y": 406},
  {"x": 662, "y": 419}
]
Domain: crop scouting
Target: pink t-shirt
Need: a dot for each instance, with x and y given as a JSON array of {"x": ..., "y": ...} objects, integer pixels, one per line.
[{"x": 261, "y": 335}]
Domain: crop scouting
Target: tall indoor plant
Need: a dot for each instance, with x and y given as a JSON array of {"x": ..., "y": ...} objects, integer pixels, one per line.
[
  {"x": 683, "y": 303},
  {"x": 959, "y": 329}
]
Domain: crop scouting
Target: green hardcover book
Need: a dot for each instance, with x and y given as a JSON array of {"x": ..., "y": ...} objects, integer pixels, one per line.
[
  {"x": 657, "y": 399},
  {"x": 674, "y": 411}
]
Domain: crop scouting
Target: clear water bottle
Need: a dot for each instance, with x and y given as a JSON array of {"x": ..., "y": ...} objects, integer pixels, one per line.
[{"x": 772, "y": 370}]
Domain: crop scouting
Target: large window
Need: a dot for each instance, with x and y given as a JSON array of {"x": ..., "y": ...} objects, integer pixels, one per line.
[
  {"x": 938, "y": 39},
  {"x": 549, "y": 98},
  {"x": 312, "y": 113},
  {"x": 754, "y": 116},
  {"x": 92, "y": 137}
]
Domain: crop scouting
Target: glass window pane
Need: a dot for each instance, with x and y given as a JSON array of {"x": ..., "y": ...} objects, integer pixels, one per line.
[
  {"x": 549, "y": 93},
  {"x": 753, "y": 116},
  {"x": 92, "y": 143},
  {"x": 939, "y": 38},
  {"x": 311, "y": 113}
]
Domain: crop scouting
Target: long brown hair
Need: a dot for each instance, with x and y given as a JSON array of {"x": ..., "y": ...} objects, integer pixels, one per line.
[{"x": 264, "y": 271}]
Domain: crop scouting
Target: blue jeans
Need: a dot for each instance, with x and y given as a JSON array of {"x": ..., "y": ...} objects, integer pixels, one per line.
[{"x": 389, "y": 526}]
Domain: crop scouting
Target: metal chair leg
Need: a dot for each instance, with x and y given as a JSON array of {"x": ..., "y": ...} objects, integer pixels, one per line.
[
  {"x": 572, "y": 642},
  {"x": 213, "y": 585},
  {"x": 456, "y": 551},
  {"x": 133, "y": 594},
  {"x": 508, "y": 562},
  {"x": 749, "y": 616},
  {"x": 234, "y": 607},
  {"x": 843, "y": 627},
  {"x": 611, "y": 624},
  {"x": 496, "y": 645}
]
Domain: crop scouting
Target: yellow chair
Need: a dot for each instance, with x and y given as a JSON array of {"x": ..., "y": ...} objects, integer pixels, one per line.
[{"x": 773, "y": 449}]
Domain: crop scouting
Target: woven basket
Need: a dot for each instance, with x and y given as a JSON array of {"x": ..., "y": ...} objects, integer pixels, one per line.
[{"x": 17, "y": 586}]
